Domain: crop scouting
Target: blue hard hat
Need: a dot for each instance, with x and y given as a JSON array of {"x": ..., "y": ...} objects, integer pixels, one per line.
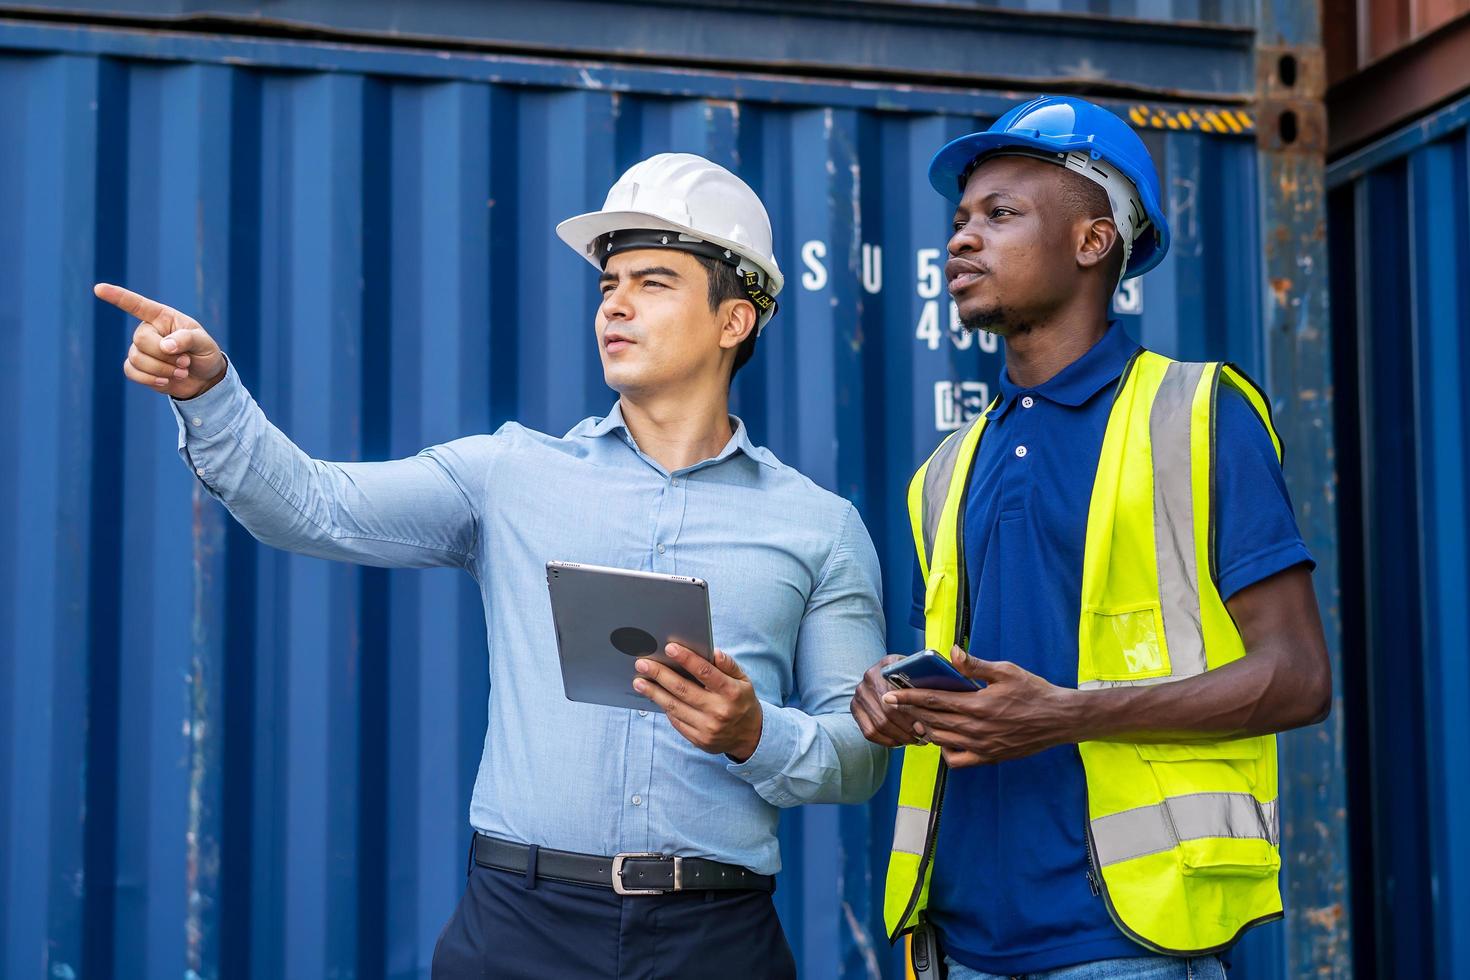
[{"x": 1061, "y": 124}]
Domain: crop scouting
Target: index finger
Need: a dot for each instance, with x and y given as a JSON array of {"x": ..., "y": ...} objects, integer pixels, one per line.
[
  {"x": 128, "y": 301},
  {"x": 707, "y": 673},
  {"x": 920, "y": 701},
  {"x": 686, "y": 689}
]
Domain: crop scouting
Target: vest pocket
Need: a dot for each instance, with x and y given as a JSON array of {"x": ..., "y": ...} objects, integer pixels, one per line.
[
  {"x": 1234, "y": 748},
  {"x": 1208, "y": 792},
  {"x": 1217, "y": 857},
  {"x": 1231, "y": 857},
  {"x": 1126, "y": 643},
  {"x": 1181, "y": 770}
]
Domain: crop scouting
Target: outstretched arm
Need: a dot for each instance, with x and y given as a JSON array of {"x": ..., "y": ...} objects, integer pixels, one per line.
[{"x": 418, "y": 511}]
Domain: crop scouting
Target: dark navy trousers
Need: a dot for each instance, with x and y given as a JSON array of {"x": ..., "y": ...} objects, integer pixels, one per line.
[{"x": 507, "y": 927}]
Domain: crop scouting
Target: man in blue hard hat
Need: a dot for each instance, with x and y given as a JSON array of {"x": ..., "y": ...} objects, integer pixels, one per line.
[{"x": 1109, "y": 553}]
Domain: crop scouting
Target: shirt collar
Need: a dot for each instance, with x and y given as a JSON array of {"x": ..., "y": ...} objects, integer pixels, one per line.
[
  {"x": 1102, "y": 365},
  {"x": 740, "y": 441}
]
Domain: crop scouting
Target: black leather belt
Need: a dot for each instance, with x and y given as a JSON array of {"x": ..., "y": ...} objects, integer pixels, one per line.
[{"x": 626, "y": 874}]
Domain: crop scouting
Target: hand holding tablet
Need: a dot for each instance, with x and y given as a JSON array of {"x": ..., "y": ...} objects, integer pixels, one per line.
[
  {"x": 607, "y": 618},
  {"x": 615, "y": 625}
]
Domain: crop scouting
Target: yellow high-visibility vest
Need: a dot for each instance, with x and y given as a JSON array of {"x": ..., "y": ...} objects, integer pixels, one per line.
[{"x": 1183, "y": 838}]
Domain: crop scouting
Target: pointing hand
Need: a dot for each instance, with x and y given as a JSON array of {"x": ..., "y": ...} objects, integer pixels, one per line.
[{"x": 171, "y": 353}]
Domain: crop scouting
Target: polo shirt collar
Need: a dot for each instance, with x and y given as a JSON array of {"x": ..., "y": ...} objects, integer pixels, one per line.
[{"x": 1075, "y": 384}]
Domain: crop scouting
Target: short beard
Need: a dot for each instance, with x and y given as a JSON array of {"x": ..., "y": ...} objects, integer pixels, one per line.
[{"x": 997, "y": 320}]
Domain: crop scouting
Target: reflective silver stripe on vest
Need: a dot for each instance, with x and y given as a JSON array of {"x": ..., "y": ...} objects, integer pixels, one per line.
[
  {"x": 1154, "y": 829},
  {"x": 937, "y": 479},
  {"x": 1170, "y": 427},
  {"x": 910, "y": 829}
]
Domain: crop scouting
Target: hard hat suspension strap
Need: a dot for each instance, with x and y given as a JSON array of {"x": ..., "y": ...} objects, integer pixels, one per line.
[{"x": 751, "y": 276}]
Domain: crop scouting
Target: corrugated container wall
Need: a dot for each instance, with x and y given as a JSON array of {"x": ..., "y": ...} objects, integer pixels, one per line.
[
  {"x": 1400, "y": 251},
  {"x": 221, "y": 760}
]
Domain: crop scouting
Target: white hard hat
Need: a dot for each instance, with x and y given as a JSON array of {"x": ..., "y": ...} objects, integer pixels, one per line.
[{"x": 683, "y": 201}]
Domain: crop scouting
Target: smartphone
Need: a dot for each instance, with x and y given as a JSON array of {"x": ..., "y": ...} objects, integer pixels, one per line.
[{"x": 928, "y": 670}]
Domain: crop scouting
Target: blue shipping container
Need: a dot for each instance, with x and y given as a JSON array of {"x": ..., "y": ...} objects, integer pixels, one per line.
[
  {"x": 203, "y": 741},
  {"x": 1400, "y": 252}
]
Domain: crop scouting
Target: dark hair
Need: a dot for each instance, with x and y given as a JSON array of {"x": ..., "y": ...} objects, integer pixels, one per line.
[
  {"x": 724, "y": 284},
  {"x": 1086, "y": 198}
]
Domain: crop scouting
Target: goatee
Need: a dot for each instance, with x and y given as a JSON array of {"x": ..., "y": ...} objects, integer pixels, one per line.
[{"x": 998, "y": 320}]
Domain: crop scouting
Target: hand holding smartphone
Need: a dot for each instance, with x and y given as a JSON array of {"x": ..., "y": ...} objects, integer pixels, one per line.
[{"x": 928, "y": 670}]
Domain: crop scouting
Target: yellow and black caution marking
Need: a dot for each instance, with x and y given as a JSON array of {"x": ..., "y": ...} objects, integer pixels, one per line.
[{"x": 1216, "y": 120}]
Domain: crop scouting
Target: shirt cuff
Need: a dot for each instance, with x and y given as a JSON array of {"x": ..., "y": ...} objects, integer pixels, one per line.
[
  {"x": 772, "y": 753},
  {"x": 206, "y": 416},
  {"x": 202, "y": 418}
]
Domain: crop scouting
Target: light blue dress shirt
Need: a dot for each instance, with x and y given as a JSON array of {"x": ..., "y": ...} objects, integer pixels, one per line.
[{"x": 794, "y": 598}]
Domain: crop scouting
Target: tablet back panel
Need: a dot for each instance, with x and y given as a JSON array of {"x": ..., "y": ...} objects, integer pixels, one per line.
[{"x": 608, "y": 617}]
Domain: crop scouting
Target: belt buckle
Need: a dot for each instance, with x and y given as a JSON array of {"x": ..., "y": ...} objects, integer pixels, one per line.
[{"x": 617, "y": 873}]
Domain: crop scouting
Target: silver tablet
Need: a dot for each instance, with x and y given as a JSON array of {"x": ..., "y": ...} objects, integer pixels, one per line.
[{"x": 608, "y": 617}]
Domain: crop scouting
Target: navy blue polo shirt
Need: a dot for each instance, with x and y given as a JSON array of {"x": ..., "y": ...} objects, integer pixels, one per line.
[{"x": 1010, "y": 892}]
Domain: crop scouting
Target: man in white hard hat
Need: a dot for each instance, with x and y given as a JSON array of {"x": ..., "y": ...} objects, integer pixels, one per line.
[{"x": 668, "y": 482}]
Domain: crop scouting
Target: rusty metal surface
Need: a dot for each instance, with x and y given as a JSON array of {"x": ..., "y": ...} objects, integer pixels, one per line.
[
  {"x": 1387, "y": 26},
  {"x": 1291, "y": 139},
  {"x": 1373, "y": 100}
]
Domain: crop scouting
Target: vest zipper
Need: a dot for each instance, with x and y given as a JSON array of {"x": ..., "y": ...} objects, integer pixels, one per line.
[
  {"x": 962, "y": 637},
  {"x": 931, "y": 840},
  {"x": 1100, "y": 888},
  {"x": 1095, "y": 877}
]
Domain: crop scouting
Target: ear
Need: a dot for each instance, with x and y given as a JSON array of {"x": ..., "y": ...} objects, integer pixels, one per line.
[
  {"x": 1096, "y": 241},
  {"x": 737, "y": 322}
]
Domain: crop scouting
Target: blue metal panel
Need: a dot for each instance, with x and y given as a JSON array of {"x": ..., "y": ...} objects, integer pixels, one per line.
[
  {"x": 1399, "y": 217},
  {"x": 222, "y": 759},
  {"x": 1440, "y": 252},
  {"x": 1202, "y": 50},
  {"x": 49, "y": 192}
]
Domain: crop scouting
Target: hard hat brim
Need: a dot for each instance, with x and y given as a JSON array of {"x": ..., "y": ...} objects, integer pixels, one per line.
[
  {"x": 583, "y": 230},
  {"x": 956, "y": 156}
]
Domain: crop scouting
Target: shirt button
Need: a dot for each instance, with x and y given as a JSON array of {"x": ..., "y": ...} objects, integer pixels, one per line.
[
  {"x": 1021, "y": 452},
  {"x": 1027, "y": 402},
  {"x": 198, "y": 472},
  {"x": 637, "y": 801},
  {"x": 661, "y": 549},
  {"x": 674, "y": 481},
  {"x": 642, "y": 714},
  {"x": 197, "y": 420}
]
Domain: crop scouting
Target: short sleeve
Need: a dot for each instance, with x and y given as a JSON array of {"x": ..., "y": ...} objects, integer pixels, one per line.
[{"x": 1256, "y": 534}]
